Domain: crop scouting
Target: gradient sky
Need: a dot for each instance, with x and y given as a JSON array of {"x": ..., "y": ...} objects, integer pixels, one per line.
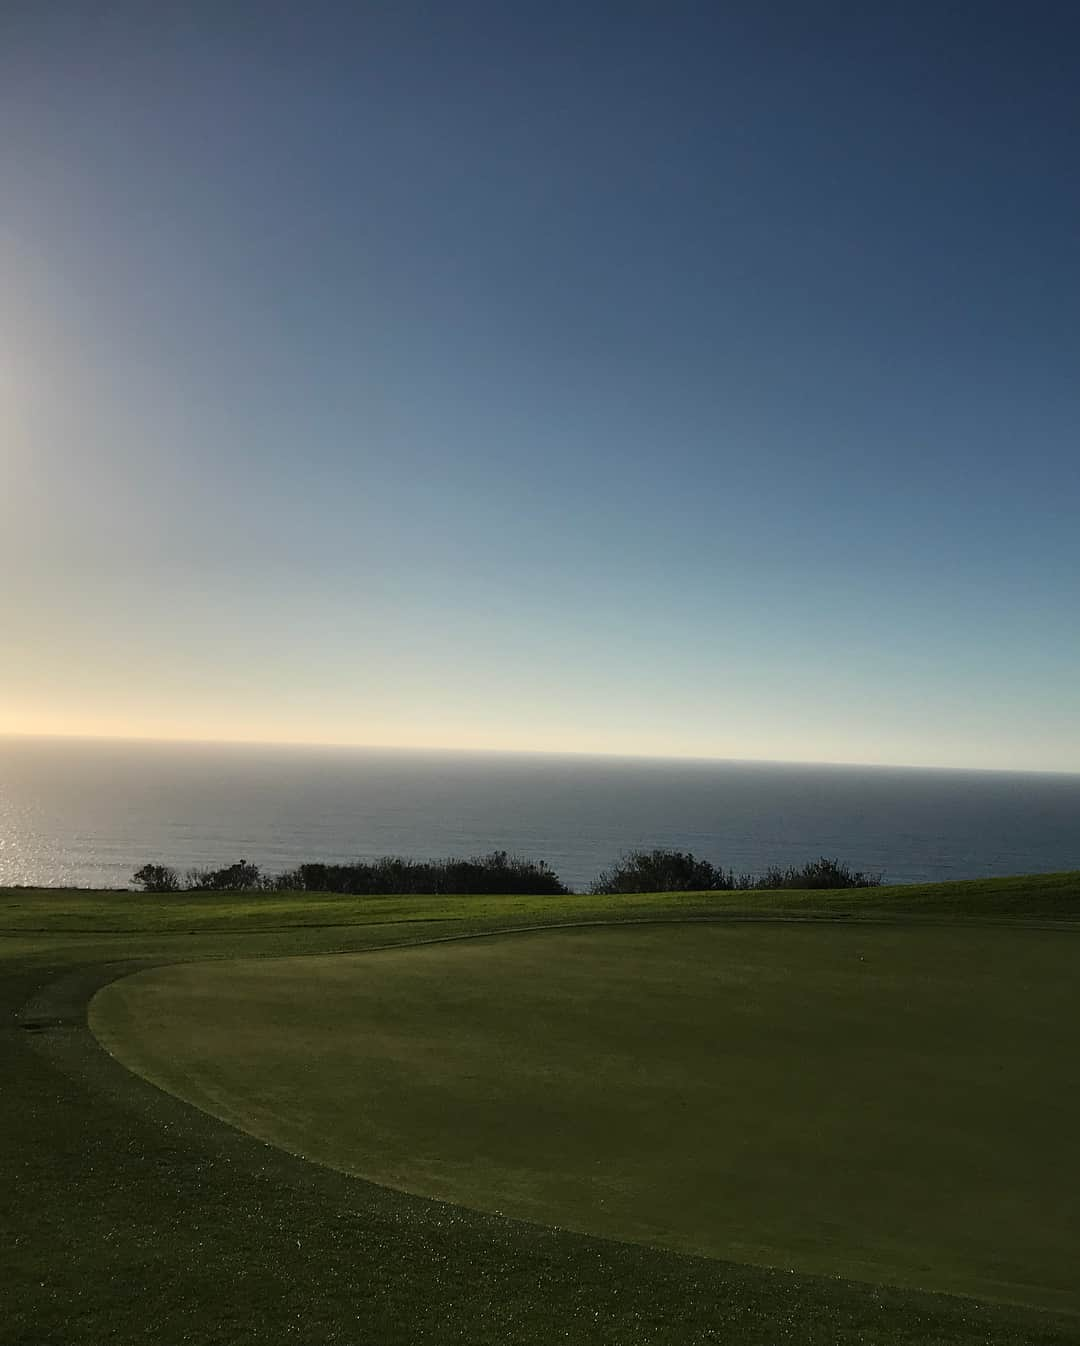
[{"x": 677, "y": 379}]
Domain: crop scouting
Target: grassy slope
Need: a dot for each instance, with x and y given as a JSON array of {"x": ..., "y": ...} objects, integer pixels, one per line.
[{"x": 126, "y": 1217}]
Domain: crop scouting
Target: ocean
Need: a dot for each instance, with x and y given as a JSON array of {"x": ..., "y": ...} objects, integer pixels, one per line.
[{"x": 87, "y": 813}]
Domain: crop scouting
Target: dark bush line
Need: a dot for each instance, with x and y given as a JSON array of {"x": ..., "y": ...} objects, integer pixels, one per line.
[
  {"x": 661, "y": 871},
  {"x": 822, "y": 873},
  {"x": 494, "y": 873},
  {"x": 238, "y": 878},
  {"x": 389, "y": 876},
  {"x": 655, "y": 871}
]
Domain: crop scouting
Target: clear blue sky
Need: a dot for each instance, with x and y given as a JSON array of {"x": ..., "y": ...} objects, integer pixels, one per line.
[{"x": 689, "y": 379}]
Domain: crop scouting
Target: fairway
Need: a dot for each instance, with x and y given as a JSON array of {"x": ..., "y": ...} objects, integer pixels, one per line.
[{"x": 897, "y": 1105}]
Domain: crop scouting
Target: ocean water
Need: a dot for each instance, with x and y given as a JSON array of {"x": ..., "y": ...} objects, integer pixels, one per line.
[{"x": 89, "y": 812}]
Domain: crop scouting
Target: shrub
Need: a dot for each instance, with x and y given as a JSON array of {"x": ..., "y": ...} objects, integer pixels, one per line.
[
  {"x": 232, "y": 878},
  {"x": 157, "y": 879},
  {"x": 498, "y": 872},
  {"x": 660, "y": 871},
  {"x": 821, "y": 873}
]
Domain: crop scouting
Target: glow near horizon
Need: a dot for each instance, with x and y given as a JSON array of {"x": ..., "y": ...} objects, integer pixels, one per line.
[{"x": 369, "y": 474}]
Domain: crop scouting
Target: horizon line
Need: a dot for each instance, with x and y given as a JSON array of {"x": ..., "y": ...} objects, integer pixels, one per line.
[{"x": 530, "y": 752}]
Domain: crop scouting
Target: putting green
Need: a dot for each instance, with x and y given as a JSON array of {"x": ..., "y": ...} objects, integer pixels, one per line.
[{"x": 896, "y": 1105}]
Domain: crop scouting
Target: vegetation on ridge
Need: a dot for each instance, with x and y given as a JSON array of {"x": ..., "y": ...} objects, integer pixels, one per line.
[
  {"x": 498, "y": 872},
  {"x": 655, "y": 871},
  {"x": 664, "y": 871},
  {"x": 208, "y": 914}
]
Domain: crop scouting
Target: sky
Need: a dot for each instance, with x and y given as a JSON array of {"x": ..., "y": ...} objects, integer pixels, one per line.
[{"x": 681, "y": 379}]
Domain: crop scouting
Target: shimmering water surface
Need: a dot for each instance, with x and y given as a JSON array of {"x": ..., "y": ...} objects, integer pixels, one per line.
[{"x": 88, "y": 813}]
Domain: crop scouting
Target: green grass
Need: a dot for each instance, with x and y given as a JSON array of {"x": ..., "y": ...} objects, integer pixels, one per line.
[
  {"x": 128, "y": 1216},
  {"x": 883, "y": 1104}
]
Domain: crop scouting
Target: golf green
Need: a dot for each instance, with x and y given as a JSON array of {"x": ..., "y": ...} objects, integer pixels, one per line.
[{"x": 891, "y": 1104}]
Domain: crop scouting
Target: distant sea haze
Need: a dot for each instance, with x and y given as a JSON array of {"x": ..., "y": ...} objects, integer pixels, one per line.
[{"x": 87, "y": 813}]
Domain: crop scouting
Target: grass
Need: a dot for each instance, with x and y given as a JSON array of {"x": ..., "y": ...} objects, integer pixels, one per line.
[
  {"x": 132, "y": 1217},
  {"x": 817, "y": 1097}
]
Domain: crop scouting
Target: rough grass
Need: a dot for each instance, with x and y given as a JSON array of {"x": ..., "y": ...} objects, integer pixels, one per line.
[{"x": 128, "y": 1217}]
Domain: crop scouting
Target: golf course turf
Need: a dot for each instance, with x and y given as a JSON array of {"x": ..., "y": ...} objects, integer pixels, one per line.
[
  {"x": 883, "y": 1103},
  {"x": 128, "y": 1215}
]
